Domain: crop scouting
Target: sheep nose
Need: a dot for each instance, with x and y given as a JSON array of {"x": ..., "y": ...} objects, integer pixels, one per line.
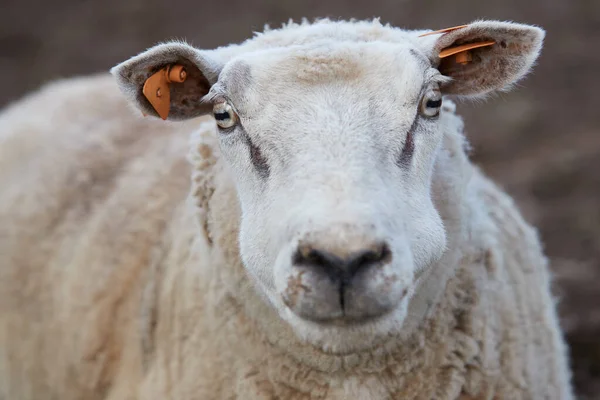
[{"x": 341, "y": 268}]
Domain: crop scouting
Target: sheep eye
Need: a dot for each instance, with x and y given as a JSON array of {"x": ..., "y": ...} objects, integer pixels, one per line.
[
  {"x": 431, "y": 103},
  {"x": 224, "y": 115}
]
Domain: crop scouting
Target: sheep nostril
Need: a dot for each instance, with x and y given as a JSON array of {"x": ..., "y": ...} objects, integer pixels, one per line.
[{"x": 341, "y": 268}]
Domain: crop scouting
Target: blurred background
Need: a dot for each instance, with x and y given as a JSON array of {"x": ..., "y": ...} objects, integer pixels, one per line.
[{"x": 541, "y": 142}]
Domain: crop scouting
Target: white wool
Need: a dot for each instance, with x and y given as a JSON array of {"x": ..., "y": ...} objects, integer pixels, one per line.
[{"x": 147, "y": 259}]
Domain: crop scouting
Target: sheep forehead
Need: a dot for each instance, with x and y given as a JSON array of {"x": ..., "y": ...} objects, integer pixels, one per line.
[
  {"x": 292, "y": 71},
  {"x": 275, "y": 102},
  {"x": 326, "y": 60}
]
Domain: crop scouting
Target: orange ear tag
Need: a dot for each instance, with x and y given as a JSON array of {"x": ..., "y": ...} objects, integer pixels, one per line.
[
  {"x": 449, "y": 51},
  {"x": 445, "y": 30},
  {"x": 156, "y": 88},
  {"x": 463, "y": 55}
]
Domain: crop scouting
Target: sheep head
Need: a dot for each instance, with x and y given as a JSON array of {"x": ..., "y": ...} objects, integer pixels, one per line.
[{"x": 331, "y": 142}]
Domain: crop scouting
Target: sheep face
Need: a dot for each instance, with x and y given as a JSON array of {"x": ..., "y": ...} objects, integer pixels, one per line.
[
  {"x": 332, "y": 150},
  {"x": 330, "y": 132}
]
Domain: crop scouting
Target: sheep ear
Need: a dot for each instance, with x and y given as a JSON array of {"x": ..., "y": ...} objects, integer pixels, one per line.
[
  {"x": 484, "y": 56},
  {"x": 169, "y": 80}
]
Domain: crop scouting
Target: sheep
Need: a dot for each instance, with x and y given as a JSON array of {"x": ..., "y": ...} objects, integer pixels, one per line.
[{"x": 306, "y": 224}]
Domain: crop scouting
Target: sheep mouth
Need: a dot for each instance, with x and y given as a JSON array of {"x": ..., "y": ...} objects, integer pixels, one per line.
[
  {"x": 352, "y": 322},
  {"x": 340, "y": 305}
]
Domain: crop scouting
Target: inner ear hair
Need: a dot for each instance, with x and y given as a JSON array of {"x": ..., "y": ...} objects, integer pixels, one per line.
[
  {"x": 168, "y": 80},
  {"x": 484, "y": 56}
]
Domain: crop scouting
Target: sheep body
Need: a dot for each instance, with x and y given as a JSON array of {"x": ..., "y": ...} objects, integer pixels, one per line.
[{"x": 118, "y": 282}]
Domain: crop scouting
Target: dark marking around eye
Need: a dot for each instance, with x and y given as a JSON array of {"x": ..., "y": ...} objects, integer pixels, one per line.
[
  {"x": 222, "y": 116},
  {"x": 258, "y": 160},
  {"x": 409, "y": 146},
  {"x": 434, "y": 103}
]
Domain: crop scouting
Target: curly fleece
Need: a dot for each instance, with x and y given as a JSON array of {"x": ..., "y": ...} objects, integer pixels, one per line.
[{"x": 119, "y": 282}]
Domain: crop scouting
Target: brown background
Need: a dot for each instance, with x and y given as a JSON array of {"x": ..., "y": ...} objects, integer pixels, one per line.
[{"x": 541, "y": 141}]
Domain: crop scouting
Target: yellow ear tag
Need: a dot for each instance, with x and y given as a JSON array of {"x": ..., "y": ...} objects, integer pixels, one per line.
[{"x": 156, "y": 88}]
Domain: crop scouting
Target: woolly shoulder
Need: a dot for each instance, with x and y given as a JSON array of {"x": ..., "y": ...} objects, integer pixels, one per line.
[
  {"x": 519, "y": 288},
  {"x": 73, "y": 142}
]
